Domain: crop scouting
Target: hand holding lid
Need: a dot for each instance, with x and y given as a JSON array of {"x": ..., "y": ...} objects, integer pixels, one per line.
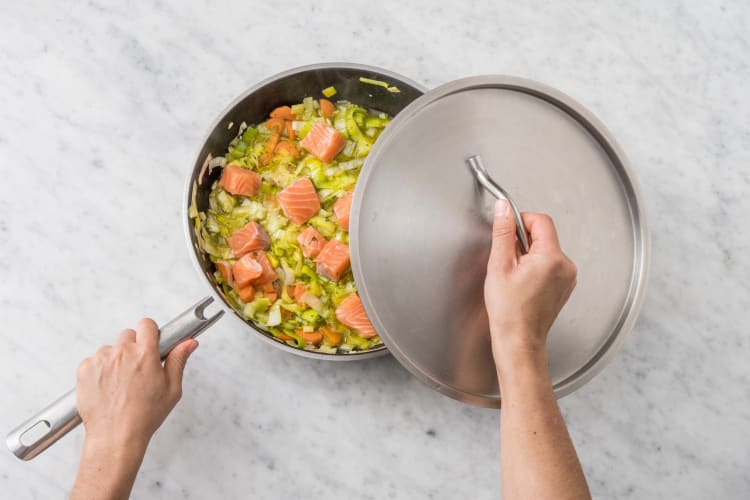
[{"x": 477, "y": 168}]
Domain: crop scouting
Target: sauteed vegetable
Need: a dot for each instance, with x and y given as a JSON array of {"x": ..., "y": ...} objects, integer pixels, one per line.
[{"x": 278, "y": 220}]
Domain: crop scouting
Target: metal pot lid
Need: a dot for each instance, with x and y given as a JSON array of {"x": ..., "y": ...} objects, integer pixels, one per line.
[{"x": 421, "y": 229}]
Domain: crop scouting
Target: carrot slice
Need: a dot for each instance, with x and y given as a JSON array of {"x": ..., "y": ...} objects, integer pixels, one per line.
[
  {"x": 275, "y": 125},
  {"x": 290, "y": 130},
  {"x": 273, "y": 141},
  {"x": 331, "y": 336},
  {"x": 283, "y": 112},
  {"x": 326, "y": 108},
  {"x": 287, "y": 147},
  {"x": 313, "y": 338},
  {"x": 283, "y": 336}
]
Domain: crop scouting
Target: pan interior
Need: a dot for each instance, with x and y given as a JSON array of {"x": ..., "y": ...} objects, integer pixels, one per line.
[{"x": 254, "y": 107}]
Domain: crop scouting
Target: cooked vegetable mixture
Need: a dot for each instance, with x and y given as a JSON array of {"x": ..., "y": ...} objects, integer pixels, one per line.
[{"x": 278, "y": 220}]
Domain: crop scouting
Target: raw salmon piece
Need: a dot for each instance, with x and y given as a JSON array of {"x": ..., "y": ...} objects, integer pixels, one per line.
[
  {"x": 299, "y": 201},
  {"x": 269, "y": 274},
  {"x": 249, "y": 238},
  {"x": 246, "y": 293},
  {"x": 225, "y": 269},
  {"x": 312, "y": 242},
  {"x": 323, "y": 142},
  {"x": 342, "y": 207},
  {"x": 246, "y": 271},
  {"x": 352, "y": 313},
  {"x": 238, "y": 180},
  {"x": 333, "y": 260}
]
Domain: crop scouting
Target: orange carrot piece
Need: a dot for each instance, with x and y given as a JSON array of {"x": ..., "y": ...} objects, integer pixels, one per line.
[
  {"x": 290, "y": 130},
  {"x": 283, "y": 336},
  {"x": 313, "y": 338},
  {"x": 326, "y": 108},
  {"x": 272, "y": 142},
  {"x": 331, "y": 336},
  {"x": 283, "y": 112},
  {"x": 275, "y": 125},
  {"x": 287, "y": 147},
  {"x": 266, "y": 158}
]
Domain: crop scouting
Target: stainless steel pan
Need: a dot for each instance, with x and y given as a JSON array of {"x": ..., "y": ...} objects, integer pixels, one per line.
[
  {"x": 47, "y": 426},
  {"x": 253, "y": 107}
]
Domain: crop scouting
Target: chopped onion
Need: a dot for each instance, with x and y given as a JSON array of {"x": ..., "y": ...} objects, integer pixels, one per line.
[
  {"x": 351, "y": 164},
  {"x": 349, "y": 148},
  {"x": 288, "y": 276},
  {"x": 312, "y": 301}
]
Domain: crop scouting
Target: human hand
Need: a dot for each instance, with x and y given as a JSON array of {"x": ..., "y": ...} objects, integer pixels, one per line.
[
  {"x": 524, "y": 293},
  {"x": 124, "y": 393}
]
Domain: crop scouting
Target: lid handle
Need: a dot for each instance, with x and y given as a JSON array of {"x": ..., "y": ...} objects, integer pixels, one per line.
[{"x": 480, "y": 173}]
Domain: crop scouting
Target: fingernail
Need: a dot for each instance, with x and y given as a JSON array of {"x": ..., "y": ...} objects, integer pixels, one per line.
[
  {"x": 193, "y": 346},
  {"x": 502, "y": 208}
]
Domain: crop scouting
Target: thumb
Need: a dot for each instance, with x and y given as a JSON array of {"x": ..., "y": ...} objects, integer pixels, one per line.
[
  {"x": 174, "y": 364},
  {"x": 503, "y": 253}
]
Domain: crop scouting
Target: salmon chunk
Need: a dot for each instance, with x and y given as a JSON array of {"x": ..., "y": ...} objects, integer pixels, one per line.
[
  {"x": 269, "y": 273},
  {"x": 253, "y": 269},
  {"x": 333, "y": 260},
  {"x": 299, "y": 201},
  {"x": 323, "y": 141},
  {"x": 342, "y": 207},
  {"x": 249, "y": 238},
  {"x": 312, "y": 242},
  {"x": 352, "y": 313},
  {"x": 238, "y": 180},
  {"x": 246, "y": 270},
  {"x": 225, "y": 269}
]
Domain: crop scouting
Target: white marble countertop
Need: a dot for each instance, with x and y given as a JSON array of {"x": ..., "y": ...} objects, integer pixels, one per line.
[{"x": 103, "y": 108}]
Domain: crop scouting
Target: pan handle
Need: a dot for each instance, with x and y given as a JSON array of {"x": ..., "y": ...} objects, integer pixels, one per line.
[
  {"x": 483, "y": 177},
  {"x": 44, "y": 429}
]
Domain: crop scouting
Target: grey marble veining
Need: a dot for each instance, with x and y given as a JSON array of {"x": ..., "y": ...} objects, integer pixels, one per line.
[{"x": 103, "y": 108}]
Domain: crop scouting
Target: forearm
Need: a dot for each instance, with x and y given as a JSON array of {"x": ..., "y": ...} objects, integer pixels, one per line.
[
  {"x": 538, "y": 457},
  {"x": 107, "y": 471}
]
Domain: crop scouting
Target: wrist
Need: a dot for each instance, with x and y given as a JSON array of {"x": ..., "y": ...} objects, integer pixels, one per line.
[
  {"x": 108, "y": 467},
  {"x": 126, "y": 446},
  {"x": 521, "y": 363}
]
